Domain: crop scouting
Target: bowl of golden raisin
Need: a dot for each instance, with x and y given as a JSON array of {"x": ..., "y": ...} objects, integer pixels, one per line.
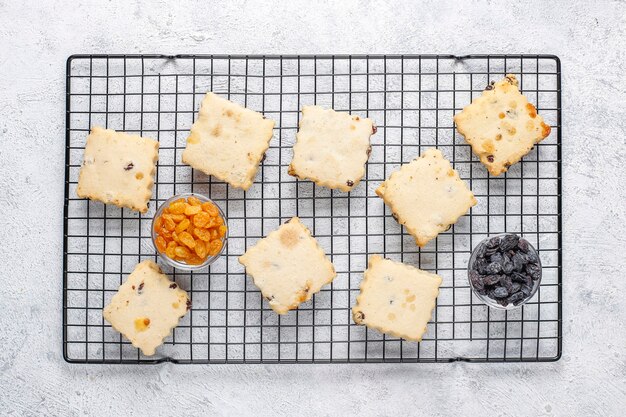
[{"x": 189, "y": 231}]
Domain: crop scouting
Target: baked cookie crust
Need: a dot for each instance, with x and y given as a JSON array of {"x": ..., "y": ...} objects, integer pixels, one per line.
[
  {"x": 396, "y": 299},
  {"x": 228, "y": 141},
  {"x": 118, "y": 168},
  {"x": 426, "y": 196},
  {"x": 501, "y": 125},
  {"x": 288, "y": 266},
  {"x": 147, "y": 307},
  {"x": 331, "y": 148}
]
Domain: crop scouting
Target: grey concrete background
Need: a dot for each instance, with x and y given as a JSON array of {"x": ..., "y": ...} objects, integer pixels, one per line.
[{"x": 37, "y": 37}]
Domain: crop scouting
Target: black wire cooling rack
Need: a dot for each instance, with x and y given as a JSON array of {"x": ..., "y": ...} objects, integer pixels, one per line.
[{"x": 412, "y": 99}]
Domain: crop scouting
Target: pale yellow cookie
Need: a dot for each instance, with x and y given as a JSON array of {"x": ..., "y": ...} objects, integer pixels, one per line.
[
  {"x": 331, "y": 148},
  {"x": 118, "y": 168},
  {"x": 501, "y": 125},
  {"x": 288, "y": 266},
  {"x": 147, "y": 307},
  {"x": 228, "y": 141},
  {"x": 396, "y": 299},
  {"x": 426, "y": 196}
]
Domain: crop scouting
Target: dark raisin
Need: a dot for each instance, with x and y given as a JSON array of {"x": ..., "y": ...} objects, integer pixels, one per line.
[
  {"x": 494, "y": 242},
  {"x": 500, "y": 292},
  {"x": 508, "y": 242},
  {"x": 263, "y": 158},
  {"x": 129, "y": 166},
  {"x": 517, "y": 277},
  {"x": 173, "y": 286},
  {"x": 490, "y": 158},
  {"x": 496, "y": 257},
  {"x": 516, "y": 298},
  {"x": 493, "y": 268},
  {"x": 526, "y": 290},
  {"x": 491, "y": 251},
  {"x": 349, "y": 183},
  {"x": 490, "y": 86},
  {"x": 515, "y": 287},
  {"x": 480, "y": 265},
  {"x": 523, "y": 245},
  {"x": 374, "y": 129},
  {"x": 503, "y": 301},
  {"x": 534, "y": 270},
  {"x": 491, "y": 279},
  {"x": 518, "y": 261},
  {"x": 480, "y": 251},
  {"x": 532, "y": 258},
  {"x": 188, "y": 304},
  {"x": 528, "y": 280},
  {"x": 477, "y": 282},
  {"x": 506, "y": 282},
  {"x": 140, "y": 289},
  {"x": 507, "y": 266}
]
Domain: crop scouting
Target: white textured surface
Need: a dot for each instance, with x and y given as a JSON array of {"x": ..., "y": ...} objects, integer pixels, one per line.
[{"x": 589, "y": 37}]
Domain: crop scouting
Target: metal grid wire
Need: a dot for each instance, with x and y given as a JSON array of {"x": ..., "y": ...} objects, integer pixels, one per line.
[{"x": 412, "y": 100}]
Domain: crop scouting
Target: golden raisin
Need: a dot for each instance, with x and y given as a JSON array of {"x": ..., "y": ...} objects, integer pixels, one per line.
[
  {"x": 187, "y": 239},
  {"x": 178, "y": 207},
  {"x": 182, "y": 252},
  {"x": 218, "y": 221},
  {"x": 194, "y": 201},
  {"x": 169, "y": 224},
  {"x": 194, "y": 259},
  {"x": 142, "y": 323},
  {"x": 210, "y": 208},
  {"x": 201, "y": 219},
  {"x": 182, "y": 226},
  {"x": 200, "y": 249},
  {"x": 161, "y": 244},
  {"x": 165, "y": 233},
  {"x": 202, "y": 234},
  {"x": 171, "y": 250},
  {"x": 178, "y": 217},
  {"x": 191, "y": 210},
  {"x": 158, "y": 223},
  {"x": 222, "y": 231},
  {"x": 175, "y": 237},
  {"x": 214, "y": 247}
]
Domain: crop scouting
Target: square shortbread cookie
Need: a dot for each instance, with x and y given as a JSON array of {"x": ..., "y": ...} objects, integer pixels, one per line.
[
  {"x": 228, "y": 141},
  {"x": 426, "y": 196},
  {"x": 331, "y": 148},
  {"x": 147, "y": 307},
  {"x": 501, "y": 125},
  {"x": 396, "y": 299},
  {"x": 118, "y": 168},
  {"x": 288, "y": 266}
]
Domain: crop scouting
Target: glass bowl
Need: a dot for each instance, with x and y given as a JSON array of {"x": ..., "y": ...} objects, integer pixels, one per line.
[
  {"x": 183, "y": 265},
  {"x": 481, "y": 294}
]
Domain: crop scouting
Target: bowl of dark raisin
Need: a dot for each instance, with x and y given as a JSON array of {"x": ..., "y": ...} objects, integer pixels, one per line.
[{"x": 504, "y": 271}]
